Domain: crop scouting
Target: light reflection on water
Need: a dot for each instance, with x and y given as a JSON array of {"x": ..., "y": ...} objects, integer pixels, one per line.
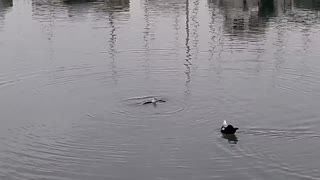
[{"x": 74, "y": 74}]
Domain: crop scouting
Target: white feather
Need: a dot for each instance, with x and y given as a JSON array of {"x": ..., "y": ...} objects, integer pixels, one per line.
[
  {"x": 225, "y": 123},
  {"x": 153, "y": 100}
]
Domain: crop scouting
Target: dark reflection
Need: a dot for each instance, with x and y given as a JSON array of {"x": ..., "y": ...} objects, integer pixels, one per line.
[
  {"x": 249, "y": 19},
  {"x": 46, "y": 10},
  {"x": 167, "y": 7},
  {"x": 232, "y": 138},
  {"x": 195, "y": 24},
  {"x": 115, "y": 5},
  {"x": 298, "y": 14},
  {"x": 241, "y": 18},
  {"x": 97, "y": 7},
  {"x": 5, "y": 4},
  {"x": 79, "y": 9},
  {"x": 283, "y": 7},
  {"x": 177, "y": 35},
  {"x": 215, "y": 42},
  {"x": 112, "y": 48},
  {"x": 296, "y": 11},
  {"x": 188, "y": 54},
  {"x": 78, "y": 1},
  {"x": 147, "y": 37},
  {"x": 266, "y": 8},
  {"x": 118, "y": 5},
  {"x": 213, "y": 33},
  {"x": 308, "y": 4}
]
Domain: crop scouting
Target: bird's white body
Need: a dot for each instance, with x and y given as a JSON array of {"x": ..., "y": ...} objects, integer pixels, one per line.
[{"x": 153, "y": 100}]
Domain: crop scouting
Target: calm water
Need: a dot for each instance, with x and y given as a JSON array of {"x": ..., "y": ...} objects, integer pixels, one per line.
[{"x": 73, "y": 76}]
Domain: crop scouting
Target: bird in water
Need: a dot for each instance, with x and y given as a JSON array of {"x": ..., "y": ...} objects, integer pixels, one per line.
[
  {"x": 228, "y": 129},
  {"x": 153, "y": 101}
]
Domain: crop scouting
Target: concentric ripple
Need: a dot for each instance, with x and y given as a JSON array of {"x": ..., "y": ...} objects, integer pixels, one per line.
[{"x": 134, "y": 107}]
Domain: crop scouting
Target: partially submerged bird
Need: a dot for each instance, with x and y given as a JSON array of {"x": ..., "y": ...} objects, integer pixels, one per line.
[
  {"x": 153, "y": 101},
  {"x": 228, "y": 129}
]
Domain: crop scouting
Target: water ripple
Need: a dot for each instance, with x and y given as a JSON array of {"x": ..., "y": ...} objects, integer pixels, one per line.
[{"x": 134, "y": 107}]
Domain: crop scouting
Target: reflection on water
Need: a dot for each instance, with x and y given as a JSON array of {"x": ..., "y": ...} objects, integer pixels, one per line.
[
  {"x": 77, "y": 9},
  {"x": 243, "y": 18},
  {"x": 74, "y": 74},
  {"x": 163, "y": 7},
  {"x": 98, "y": 5},
  {"x": 4, "y": 6},
  {"x": 266, "y": 8},
  {"x": 250, "y": 17},
  {"x": 5, "y": 3},
  {"x": 308, "y": 4},
  {"x": 188, "y": 55},
  {"x": 232, "y": 138}
]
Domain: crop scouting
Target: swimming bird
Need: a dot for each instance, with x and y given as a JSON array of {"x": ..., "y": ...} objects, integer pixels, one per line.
[
  {"x": 228, "y": 129},
  {"x": 153, "y": 101}
]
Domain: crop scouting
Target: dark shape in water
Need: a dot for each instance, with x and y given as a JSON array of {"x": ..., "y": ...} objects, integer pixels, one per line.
[
  {"x": 228, "y": 129},
  {"x": 266, "y": 8},
  {"x": 153, "y": 101},
  {"x": 78, "y": 1},
  {"x": 232, "y": 138},
  {"x": 308, "y": 4},
  {"x": 5, "y": 4}
]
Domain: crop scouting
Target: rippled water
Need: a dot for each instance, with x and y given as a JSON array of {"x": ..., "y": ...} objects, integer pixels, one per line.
[{"x": 74, "y": 75}]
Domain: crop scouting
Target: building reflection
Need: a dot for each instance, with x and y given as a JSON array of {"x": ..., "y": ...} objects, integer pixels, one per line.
[
  {"x": 109, "y": 10},
  {"x": 105, "y": 13},
  {"x": 168, "y": 7},
  {"x": 4, "y": 5},
  {"x": 308, "y": 4},
  {"x": 271, "y": 8},
  {"x": 98, "y": 8},
  {"x": 102, "y": 5},
  {"x": 78, "y": 9},
  {"x": 297, "y": 12},
  {"x": 266, "y": 8},
  {"x": 241, "y": 18},
  {"x": 249, "y": 18}
]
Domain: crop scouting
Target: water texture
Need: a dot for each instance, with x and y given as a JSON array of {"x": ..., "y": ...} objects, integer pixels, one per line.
[{"x": 74, "y": 75}]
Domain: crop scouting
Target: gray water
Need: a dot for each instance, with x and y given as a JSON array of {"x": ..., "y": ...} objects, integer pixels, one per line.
[{"x": 74, "y": 75}]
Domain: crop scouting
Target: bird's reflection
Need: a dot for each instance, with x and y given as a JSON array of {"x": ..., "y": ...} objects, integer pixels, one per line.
[{"x": 232, "y": 138}]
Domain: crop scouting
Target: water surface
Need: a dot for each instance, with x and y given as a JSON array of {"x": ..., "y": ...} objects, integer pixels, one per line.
[{"x": 74, "y": 75}]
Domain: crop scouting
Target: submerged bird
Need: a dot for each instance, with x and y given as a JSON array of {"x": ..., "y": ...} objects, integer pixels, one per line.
[
  {"x": 228, "y": 129},
  {"x": 153, "y": 101}
]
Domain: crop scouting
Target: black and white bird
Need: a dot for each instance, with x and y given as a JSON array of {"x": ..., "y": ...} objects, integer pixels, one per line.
[
  {"x": 228, "y": 129},
  {"x": 153, "y": 101}
]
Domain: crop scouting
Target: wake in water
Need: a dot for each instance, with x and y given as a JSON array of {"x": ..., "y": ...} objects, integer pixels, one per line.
[{"x": 153, "y": 101}]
